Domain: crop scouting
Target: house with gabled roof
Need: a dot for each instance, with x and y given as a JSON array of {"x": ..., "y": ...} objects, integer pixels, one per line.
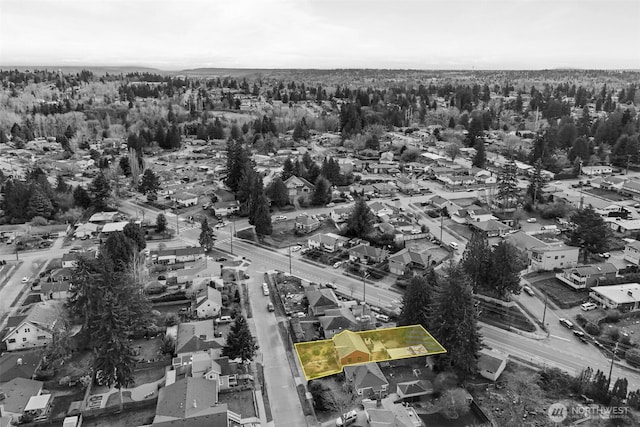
[
  {"x": 33, "y": 329},
  {"x": 380, "y": 209},
  {"x": 632, "y": 252},
  {"x": 350, "y": 348},
  {"x": 193, "y": 337},
  {"x": 411, "y": 391},
  {"x": 544, "y": 255},
  {"x": 340, "y": 214},
  {"x": 406, "y": 185},
  {"x": 298, "y": 186},
  {"x": 366, "y": 379},
  {"x": 208, "y": 305},
  {"x": 491, "y": 364},
  {"x": 337, "y": 320},
  {"x": 306, "y": 224},
  {"x": 491, "y": 228},
  {"x": 408, "y": 258},
  {"x": 321, "y": 300},
  {"x": 366, "y": 254},
  {"x": 185, "y": 199},
  {"x": 328, "y": 242},
  {"x": 104, "y": 217},
  {"x": 17, "y": 393}
]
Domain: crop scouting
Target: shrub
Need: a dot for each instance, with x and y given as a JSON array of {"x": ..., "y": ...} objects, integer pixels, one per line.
[
  {"x": 592, "y": 329},
  {"x": 614, "y": 333},
  {"x": 613, "y": 316},
  {"x": 580, "y": 320},
  {"x": 633, "y": 357}
]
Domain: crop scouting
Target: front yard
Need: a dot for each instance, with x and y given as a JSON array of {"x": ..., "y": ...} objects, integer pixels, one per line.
[{"x": 561, "y": 295}]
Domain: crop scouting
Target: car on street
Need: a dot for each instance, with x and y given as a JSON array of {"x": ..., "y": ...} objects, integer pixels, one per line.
[
  {"x": 395, "y": 199},
  {"x": 337, "y": 264},
  {"x": 605, "y": 255},
  {"x": 25, "y": 279},
  {"x": 566, "y": 323},
  {"x": 296, "y": 248},
  {"x": 330, "y": 286},
  {"x": 347, "y": 418},
  {"x": 270, "y": 306},
  {"x": 581, "y": 336},
  {"x": 221, "y": 259},
  {"x": 281, "y": 218},
  {"x": 330, "y": 205},
  {"x": 532, "y": 220},
  {"x": 528, "y": 290},
  {"x": 588, "y": 306}
]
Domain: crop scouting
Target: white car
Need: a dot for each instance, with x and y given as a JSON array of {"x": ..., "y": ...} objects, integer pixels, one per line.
[
  {"x": 337, "y": 264},
  {"x": 281, "y": 218},
  {"x": 531, "y": 220},
  {"x": 588, "y": 306},
  {"x": 347, "y": 418},
  {"x": 330, "y": 205},
  {"x": 296, "y": 248},
  {"x": 25, "y": 279}
]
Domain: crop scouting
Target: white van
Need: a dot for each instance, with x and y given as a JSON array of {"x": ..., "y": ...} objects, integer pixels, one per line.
[
  {"x": 454, "y": 245},
  {"x": 265, "y": 289}
]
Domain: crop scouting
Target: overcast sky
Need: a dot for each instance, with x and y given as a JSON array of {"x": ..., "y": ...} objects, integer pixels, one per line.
[{"x": 180, "y": 34}]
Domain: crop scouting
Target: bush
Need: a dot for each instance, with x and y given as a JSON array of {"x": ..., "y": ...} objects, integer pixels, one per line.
[
  {"x": 633, "y": 357},
  {"x": 592, "y": 329},
  {"x": 613, "y": 316},
  {"x": 580, "y": 320},
  {"x": 614, "y": 333}
]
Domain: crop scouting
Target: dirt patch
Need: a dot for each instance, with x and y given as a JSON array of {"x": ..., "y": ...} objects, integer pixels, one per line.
[
  {"x": 284, "y": 233},
  {"x": 240, "y": 402},
  {"x": 560, "y": 294},
  {"x": 130, "y": 418}
]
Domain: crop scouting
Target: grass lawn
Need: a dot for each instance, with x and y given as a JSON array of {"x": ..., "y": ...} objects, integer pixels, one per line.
[
  {"x": 149, "y": 375},
  {"x": 561, "y": 295},
  {"x": 136, "y": 417},
  {"x": 284, "y": 235},
  {"x": 505, "y": 317},
  {"x": 114, "y": 398},
  {"x": 240, "y": 402},
  {"x": 61, "y": 403},
  {"x": 461, "y": 229},
  {"x": 148, "y": 349},
  {"x": 606, "y": 194}
]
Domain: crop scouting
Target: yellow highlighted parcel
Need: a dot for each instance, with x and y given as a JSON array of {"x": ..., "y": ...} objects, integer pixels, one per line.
[{"x": 327, "y": 357}]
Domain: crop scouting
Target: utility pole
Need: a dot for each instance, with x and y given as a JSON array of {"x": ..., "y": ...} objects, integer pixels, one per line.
[
  {"x": 441, "y": 225},
  {"x": 175, "y": 206},
  {"x": 628, "y": 160},
  {"x": 232, "y": 229},
  {"x": 364, "y": 287},
  {"x": 613, "y": 356},
  {"x": 581, "y": 187},
  {"x": 544, "y": 313},
  {"x": 289, "y": 259}
]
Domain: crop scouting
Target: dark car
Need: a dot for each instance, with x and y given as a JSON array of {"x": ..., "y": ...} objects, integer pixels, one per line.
[
  {"x": 330, "y": 286},
  {"x": 221, "y": 259},
  {"x": 581, "y": 336}
]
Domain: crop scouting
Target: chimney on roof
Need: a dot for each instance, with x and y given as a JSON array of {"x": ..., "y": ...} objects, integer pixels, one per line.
[
  {"x": 195, "y": 403},
  {"x": 19, "y": 361}
]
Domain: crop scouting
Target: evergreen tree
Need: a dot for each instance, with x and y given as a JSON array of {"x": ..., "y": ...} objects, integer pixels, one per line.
[
  {"x": 301, "y": 130},
  {"x": 237, "y": 161},
  {"x": 161, "y": 136},
  {"x": 161, "y": 223},
  {"x": 206, "y": 238},
  {"x": 416, "y": 300},
  {"x": 590, "y": 233},
  {"x": 39, "y": 204},
  {"x": 134, "y": 232},
  {"x": 619, "y": 391},
  {"x": 125, "y": 167},
  {"x": 480, "y": 159},
  {"x": 536, "y": 183},
  {"x": 508, "y": 184},
  {"x": 120, "y": 250},
  {"x": 261, "y": 216},
  {"x": 240, "y": 343},
  {"x": 453, "y": 322},
  {"x": 278, "y": 192},
  {"x": 322, "y": 192},
  {"x": 599, "y": 388},
  {"x": 100, "y": 191},
  {"x": 81, "y": 198},
  {"x": 331, "y": 170},
  {"x": 475, "y": 260},
  {"x": 150, "y": 183},
  {"x": 505, "y": 265},
  {"x": 361, "y": 219},
  {"x": 62, "y": 186}
]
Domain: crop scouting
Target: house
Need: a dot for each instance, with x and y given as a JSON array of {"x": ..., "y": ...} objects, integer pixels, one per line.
[
  {"x": 321, "y": 300},
  {"x": 630, "y": 188},
  {"x": 365, "y": 254},
  {"x": 193, "y": 337},
  {"x": 185, "y": 199},
  {"x": 193, "y": 399},
  {"x": 588, "y": 276},
  {"x": 18, "y": 364},
  {"x": 12, "y": 231},
  {"x": 380, "y": 209},
  {"x": 491, "y": 364},
  {"x": 624, "y": 226},
  {"x": 226, "y": 208},
  {"x": 625, "y": 297},
  {"x": 178, "y": 255},
  {"x": 86, "y": 230},
  {"x": 112, "y": 227},
  {"x": 340, "y": 214},
  {"x": 597, "y": 170},
  {"x": 209, "y": 305},
  {"x": 408, "y": 258},
  {"x": 406, "y": 185},
  {"x": 17, "y": 393},
  {"x": 384, "y": 188},
  {"x": 306, "y": 224},
  {"x": 328, "y": 242},
  {"x": 413, "y": 390},
  {"x": 297, "y": 186},
  {"x": 217, "y": 370},
  {"x": 38, "y": 406},
  {"x": 337, "y": 320},
  {"x": 386, "y": 413},
  {"x": 222, "y": 195},
  {"x": 632, "y": 252},
  {"x": 35, "y": 329},
  {"x": 366, "y": 379},
  {"x": 55, "y": 290},
  {"x": 491, "y": 228},
  {"x": 612, "y": 183},
  {"x": 350, "y": 348},
  {"x": 544, "y": 255},
  {"x": 104, "y": 217}
]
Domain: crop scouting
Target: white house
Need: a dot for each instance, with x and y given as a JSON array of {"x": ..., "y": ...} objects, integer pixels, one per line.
[
  {"x": 328, "y": 242},
  {"x": 597, "y": 170},
  {"x": 35, "y": 329},
  {"x": 625, "y": 297},
  {"x": 545, "y": 255},
  {"x": 632, "y": 252},
  {"x": 209, "y": 305},
  {"x": 185, "y": 199},
  {"x": 380, "y": 209},
  {"x": 491, "y": 364}
]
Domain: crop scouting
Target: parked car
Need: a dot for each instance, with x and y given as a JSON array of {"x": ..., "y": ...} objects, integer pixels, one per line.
[
  {"x": 581, "y": 336},
  {"x": 566, "y": 323},
  {"x": 532, "y": 220},
  {"x": 330, "y": 286},
  {"x": 330, "y": 205},
  {"x": 270, "y": 306},
  {"x": 337, "y": 264},
  {"x": 588, "y": 306},
  {"x": 528, "y": 290},
  {"x": 382, "y": 317},
  {"x": 224, "y": 319},
  {"x": 281, "y": 218},
  {"x": 347, "y": 418},
  {"x": 221, "y": 259},
  {"x": 25, "y": 279},
  {"x": 296, "y": 248},
  {"x": 605, "y": 255}
]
